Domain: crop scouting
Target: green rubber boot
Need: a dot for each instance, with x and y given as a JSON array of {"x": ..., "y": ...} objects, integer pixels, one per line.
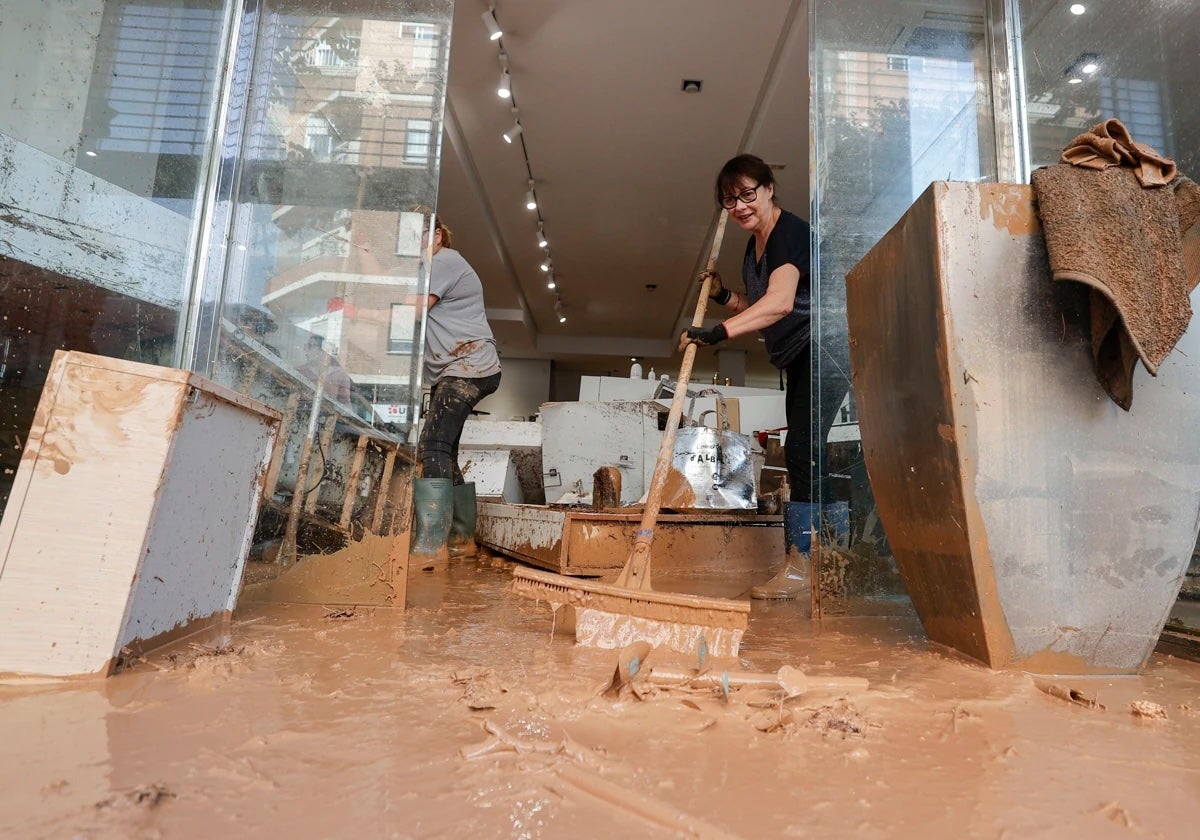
[
  {"x": 433, "y": 503},
  {"x": 462, "y": 523}
]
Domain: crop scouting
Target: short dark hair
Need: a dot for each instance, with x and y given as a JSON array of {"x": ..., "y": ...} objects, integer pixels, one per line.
[{"x": 742, "y": 166}]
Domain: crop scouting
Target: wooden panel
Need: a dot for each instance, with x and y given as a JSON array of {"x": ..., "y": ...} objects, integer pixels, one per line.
[
  {"x": 596, "y": 544},
  {"x": 898, "y": 360}
]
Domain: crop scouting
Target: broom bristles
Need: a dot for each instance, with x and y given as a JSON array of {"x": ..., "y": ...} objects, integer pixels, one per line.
[{"x": 611, "y": 617}]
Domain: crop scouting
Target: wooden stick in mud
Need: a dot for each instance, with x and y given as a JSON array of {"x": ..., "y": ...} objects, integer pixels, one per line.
[
  {"x": 652, "y": 810},
  {"x": 791, "y": 680}
]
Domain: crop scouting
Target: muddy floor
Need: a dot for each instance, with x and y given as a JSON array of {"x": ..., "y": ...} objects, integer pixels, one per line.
[{"x": 466, "y": 717}]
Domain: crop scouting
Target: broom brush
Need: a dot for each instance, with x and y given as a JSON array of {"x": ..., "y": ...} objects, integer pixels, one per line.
[{"x": 613, "y": 615}]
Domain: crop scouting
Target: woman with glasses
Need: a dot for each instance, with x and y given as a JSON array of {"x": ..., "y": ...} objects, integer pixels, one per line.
[{"x": 777, "y": 304}]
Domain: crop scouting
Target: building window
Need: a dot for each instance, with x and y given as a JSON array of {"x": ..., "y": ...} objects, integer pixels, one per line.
[
  {"x": 339, "y": 51},
  {"x": 1138, "y": 104},
  {"x": 401, "y": 328},
  {"x": 416, "y": 141},
  {"x": 423, "y": 40},
  {"x": 317, "y": 138}
]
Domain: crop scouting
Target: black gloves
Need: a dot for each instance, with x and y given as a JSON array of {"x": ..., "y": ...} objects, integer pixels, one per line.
[
  {"x": 703, "y": 337},
  {"x": 716, "y": 289}
]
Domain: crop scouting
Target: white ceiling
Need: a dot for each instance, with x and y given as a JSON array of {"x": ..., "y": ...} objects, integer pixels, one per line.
[{"x": 623, "y": 162}]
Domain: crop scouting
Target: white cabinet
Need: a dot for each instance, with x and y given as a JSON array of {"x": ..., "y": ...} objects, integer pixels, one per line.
[{"x": 131, "y": 514}]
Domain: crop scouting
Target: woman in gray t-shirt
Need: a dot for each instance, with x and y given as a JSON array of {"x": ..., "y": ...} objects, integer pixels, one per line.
[{"x": 461, "y": 362}]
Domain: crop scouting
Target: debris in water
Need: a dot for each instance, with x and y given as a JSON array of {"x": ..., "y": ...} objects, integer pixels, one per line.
[
  {"x": 504, "y": 741},
  {"x": 1071, "y": 695},
  {"x": 1146, "y": 709},
  {"x": 483, "y": 688},
  {"x": 1113, "y": 811},
  {"x": 145, "y": 796},
  {"x": 839, "y": 717},
  {"x": 341, "y": 613},
  {"x": 195, "y": 653}
]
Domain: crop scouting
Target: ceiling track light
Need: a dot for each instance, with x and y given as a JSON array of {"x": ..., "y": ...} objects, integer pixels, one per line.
[
  {"x": 530, "y": 198},
  {"x": 546, "y": 266},
  {"x": 550, "y": 284},
  {"x": 1087, "y": 64},
  {"x": 513, "y": 133},
  {"x": 504, "y": 89},
  {"x": 493, "y": 27},
  {"x": 543, "y": 242}
]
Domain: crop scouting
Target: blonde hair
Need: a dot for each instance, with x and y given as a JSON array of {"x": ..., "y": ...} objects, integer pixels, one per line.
[
  {"x": 447, "y": 234},
  {"x": 438, "y": 224}
]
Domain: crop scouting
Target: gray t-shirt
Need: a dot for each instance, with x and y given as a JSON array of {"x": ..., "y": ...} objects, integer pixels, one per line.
[{"x": 458, "y": 340}]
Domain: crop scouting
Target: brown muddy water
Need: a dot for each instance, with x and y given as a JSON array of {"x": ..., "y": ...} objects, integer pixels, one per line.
[{"x": 466, "y": 717}]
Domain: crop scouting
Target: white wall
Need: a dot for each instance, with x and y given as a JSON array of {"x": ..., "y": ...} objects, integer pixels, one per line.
[{"x": 524, "y": 386}]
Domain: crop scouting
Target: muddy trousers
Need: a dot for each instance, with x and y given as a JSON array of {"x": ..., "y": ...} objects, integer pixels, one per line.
[
  {"x": 450, "y": 404},
  {"x": 809, "y": 425}
]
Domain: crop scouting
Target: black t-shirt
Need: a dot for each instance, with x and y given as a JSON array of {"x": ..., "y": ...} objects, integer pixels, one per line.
[{"x": 787, "y": 244}]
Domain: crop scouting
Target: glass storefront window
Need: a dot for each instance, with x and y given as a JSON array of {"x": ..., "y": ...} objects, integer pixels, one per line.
[
  {"x": 317, "y": 253},
  {"x": 1082, "y": 68},
  {"x": 104, "y": 134},
  {"x": 901, "y": 97},
  {"x": 240, "y": 189}
]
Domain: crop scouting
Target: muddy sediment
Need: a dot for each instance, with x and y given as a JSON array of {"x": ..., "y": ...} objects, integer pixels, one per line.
[{"x": 466, "y": 716}]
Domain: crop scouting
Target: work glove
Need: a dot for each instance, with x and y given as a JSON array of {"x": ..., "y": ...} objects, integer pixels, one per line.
[
  {"x": 702, "y": 337},
  {"x": 716, "y": 289}
]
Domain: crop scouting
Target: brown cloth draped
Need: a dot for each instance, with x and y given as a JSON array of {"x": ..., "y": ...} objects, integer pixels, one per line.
[{"x": 1118, "y": 218}]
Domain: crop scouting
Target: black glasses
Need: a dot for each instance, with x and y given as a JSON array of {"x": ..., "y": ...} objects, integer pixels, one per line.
[{"x": 745, "y": 196}]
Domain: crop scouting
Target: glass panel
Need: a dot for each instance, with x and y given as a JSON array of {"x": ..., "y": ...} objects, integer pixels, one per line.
[
  {"x": 103, "y": 142},
  {"x": 317, "y": 253},
  {"x": 1081, "y": 68},
  {"x": 901, "y": 97}
]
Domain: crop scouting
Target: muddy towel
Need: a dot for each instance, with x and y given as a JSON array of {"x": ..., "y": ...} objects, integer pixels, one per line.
[
  {"x": 1127, "y": 243},
  {"x": 1108, "y": 144}
]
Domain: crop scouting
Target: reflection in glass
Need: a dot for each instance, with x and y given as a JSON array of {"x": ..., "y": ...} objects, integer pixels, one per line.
[
  {"x": 1147, "y": 82},
  {"x": 902, "y": 97},
  {"x": 318, "y": 254},
  {"x": 104, "y": 130}
]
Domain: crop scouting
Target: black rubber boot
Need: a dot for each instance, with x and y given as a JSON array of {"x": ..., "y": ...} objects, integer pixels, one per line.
[
  {"x": 433, "y": 503},
  {"x": 462, "y": 523}
]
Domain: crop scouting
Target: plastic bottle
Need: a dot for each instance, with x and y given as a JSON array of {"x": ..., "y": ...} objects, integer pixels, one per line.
[
  {"x": 651, "y": 375},
  {"x": 635, "y": 372},
  {"x": 785, "y": 489}
]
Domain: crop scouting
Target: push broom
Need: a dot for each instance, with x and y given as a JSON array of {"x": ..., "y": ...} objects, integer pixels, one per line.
[{"x": 613, "y": 615}]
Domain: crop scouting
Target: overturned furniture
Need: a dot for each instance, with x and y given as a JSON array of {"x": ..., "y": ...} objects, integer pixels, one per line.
[
  {"x": 1036, "y": 525},
  {"x": 131, "y": 514}
]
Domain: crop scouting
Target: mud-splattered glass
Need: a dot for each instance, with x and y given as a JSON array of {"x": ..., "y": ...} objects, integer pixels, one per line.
[
  {"x": 902, "y": 96},
  {"x": 1083, "y": 68},
  {"x": 106, "y": 122},
  {"x": 315, "y": 256}
]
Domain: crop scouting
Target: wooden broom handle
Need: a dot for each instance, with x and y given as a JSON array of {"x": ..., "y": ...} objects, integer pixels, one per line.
[{"x": 636, "y": 573}]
